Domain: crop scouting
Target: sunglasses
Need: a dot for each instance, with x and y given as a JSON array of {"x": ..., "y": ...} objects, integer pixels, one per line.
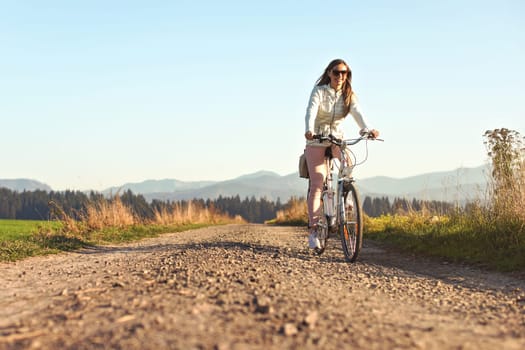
[{"x": 338, "y": 72}]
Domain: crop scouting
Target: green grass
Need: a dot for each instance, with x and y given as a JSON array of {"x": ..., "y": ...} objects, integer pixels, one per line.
[
  {"x": 17, "y": 229},
  {"x": 462, "y": 238},
  {"x": 21, "y": 239},
  {"x": 476, "y": 237}
]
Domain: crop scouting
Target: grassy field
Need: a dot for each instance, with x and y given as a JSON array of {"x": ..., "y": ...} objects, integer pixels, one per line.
[
  {"x": 18, "y": 229},
  {"x": 476, "y": 237},
  {"x": 105, "y": 222},
  {"x": 21, "y": 239}
]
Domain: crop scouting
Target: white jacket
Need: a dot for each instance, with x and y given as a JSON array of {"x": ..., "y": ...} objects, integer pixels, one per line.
[{"x": 325, "y": 112}]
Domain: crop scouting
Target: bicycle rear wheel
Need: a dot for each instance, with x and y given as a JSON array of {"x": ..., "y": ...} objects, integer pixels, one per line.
[{"x": 351, "y": 226}]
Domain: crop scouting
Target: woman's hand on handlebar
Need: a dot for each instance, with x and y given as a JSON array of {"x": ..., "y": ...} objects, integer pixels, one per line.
[
  {"x": 372, "y": 134},
  {"x": 309, "y": 135}
]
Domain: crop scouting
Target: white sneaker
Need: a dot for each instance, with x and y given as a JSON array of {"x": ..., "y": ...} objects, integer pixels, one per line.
[{"x": 313, "y": 241}]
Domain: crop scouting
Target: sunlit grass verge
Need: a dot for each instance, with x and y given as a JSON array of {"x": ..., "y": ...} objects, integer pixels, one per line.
[
  {"x": 57, "y": 240},
  {"x": 477, "y": 234},
  {"x": 471, "y": 237},
  {"x": 104, "y": 222}
]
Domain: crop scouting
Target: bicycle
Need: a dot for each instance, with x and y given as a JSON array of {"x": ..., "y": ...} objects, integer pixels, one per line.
[{"x": 344, "y": 213}]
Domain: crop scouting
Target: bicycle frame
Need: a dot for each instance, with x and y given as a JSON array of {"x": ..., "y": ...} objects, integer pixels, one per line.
[
  {"x": 344, "y": 176},
  {"x": 338, "y": 191}
]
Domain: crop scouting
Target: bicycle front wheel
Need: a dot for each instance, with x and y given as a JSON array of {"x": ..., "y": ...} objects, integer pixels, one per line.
[{"x": 351, "y": 225}]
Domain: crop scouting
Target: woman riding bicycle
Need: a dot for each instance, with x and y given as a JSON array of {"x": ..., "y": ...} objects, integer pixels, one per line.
[{"x": 331, "y": 100}]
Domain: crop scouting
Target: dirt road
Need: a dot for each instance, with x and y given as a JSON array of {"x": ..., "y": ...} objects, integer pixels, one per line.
[{"x": 253, "y": 287}]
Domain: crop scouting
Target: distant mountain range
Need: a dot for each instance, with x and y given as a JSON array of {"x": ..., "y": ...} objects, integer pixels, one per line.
[
  {"x": 21, "y": 185},
  {"x": 456, "y": 185},
  {"x": 260, "y": 184}
]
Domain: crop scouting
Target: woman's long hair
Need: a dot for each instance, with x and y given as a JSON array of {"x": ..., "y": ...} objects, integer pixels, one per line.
[{"x": 347, "y": 85}]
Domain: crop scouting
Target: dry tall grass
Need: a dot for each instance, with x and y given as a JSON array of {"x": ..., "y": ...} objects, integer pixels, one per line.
[
  {"x": 113, "y": 213},
  {"x": 294, "y": 213},
  {"x": 109, "y": 213},
  {"x": 502, "y": 220},
  {"x": 507, "y": 190},
  {"x": 97, "y": 215},
  {"x": 191, "y": 214}
]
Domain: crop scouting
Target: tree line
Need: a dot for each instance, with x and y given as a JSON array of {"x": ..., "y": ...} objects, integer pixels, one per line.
[
  {"x": 376, "y": 207},
  {"x": 39, "y": 205}
]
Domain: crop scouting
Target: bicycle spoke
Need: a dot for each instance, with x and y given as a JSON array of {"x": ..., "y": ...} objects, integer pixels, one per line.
[{"x": 350, "y": 227}]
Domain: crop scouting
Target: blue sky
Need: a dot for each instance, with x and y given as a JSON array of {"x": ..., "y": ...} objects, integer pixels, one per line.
[{"x": 98, "y": 93}]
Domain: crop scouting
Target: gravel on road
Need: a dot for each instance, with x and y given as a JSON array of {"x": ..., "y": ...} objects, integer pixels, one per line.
[{"x": 254, "y": 287}]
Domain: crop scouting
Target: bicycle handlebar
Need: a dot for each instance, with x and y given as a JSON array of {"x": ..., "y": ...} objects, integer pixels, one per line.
[{"x": 349, "y": 142}]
